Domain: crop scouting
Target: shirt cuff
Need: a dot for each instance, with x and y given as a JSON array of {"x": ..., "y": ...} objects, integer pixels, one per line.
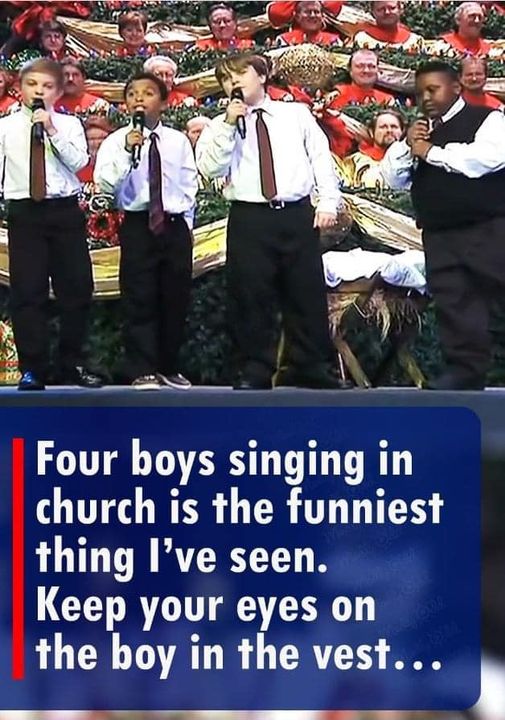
[
  {"x": 435, "y": 156},
  {"x": 328, "y": 205},
  {"x": 404, "y": 151}
]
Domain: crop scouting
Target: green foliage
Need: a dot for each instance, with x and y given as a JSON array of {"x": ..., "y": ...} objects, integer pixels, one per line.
[
  {"x": 365, "y": 113},
  {"x": 206, "y": 356},
  {"x": 211, "y": 207},
  {"x": 432, "y": 19},
  {"x": 181, "y": 13}
]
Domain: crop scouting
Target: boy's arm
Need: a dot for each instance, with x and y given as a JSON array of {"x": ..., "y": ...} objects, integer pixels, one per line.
[
  {"x": 189, "y": 179},
  {"x": 397, "y": 165},
  {"x": 318, "y": 150},
  {"x": 215, "y": 147},
  {"x": 70, "y": 145},
  {"x": 113, "y": 163}
]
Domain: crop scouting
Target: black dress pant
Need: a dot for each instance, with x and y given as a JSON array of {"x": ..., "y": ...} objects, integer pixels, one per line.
[
  {"x": 47, "y": 241},
  {"x": 155, "y": 284},
  {"x": 466, "y": 271},
  {"x": 274, "y": 262}
]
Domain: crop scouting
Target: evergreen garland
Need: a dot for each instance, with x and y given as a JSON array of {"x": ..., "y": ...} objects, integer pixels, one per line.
[{"x": 180, "y": 13}]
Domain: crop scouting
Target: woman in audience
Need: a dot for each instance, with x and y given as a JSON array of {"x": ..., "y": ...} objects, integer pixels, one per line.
[{"x": 7, "y": 101}]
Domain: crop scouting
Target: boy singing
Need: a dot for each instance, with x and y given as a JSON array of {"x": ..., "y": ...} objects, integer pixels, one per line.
[
  {"x": 42, "y": 151},
  {"x": 274, "y": 157},
  {"x": 151, "y": 170}
]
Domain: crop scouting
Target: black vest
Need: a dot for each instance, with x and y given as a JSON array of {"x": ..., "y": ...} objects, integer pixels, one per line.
[{"x": 444, "y": 200}]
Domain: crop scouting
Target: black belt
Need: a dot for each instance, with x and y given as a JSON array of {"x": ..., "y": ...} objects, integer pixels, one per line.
[
  {"x": 274, "y": 204},
  {"x": 53, "y": 202},
  {"x": 144, "y": 214}
]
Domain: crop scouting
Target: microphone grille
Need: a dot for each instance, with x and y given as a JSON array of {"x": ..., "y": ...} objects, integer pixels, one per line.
[{"x": 237, "y": 94}]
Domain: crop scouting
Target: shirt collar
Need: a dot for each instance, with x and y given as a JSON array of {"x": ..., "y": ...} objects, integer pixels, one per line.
[
  {"x": 453, "y": 110},
  {"x": 29, "y": 112},
  {"x": 266, "y": 104},
  {"x": 147, "y": 132}
]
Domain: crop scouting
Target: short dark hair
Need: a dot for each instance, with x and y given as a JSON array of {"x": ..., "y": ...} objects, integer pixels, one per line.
[
  {"x": 147, "y": 76},
  {"x": 221, "y": 6},
  {"x": 240, "y": 63},
  {"x": 437, "y": 66},
  {"x": 74, "y": 62}
]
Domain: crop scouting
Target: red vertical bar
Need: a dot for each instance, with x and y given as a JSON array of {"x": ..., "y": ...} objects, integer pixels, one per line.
[{"x": 18, "y": 558}]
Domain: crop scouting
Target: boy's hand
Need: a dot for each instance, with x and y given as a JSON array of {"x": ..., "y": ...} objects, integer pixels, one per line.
[
  {"x": 235, "y": 109},
  {"x": 419, "y": 130},
  {"x": 134, "y": 137},
  {"x": 42, "y": 116},
  {"x": 324, "y": 220}
]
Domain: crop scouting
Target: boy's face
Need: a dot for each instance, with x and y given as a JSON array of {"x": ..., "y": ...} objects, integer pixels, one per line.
[
  {"x": 144, "y": 95},
  {"x": 248, "y": 80},
  {"x": 40, "y": 85}
]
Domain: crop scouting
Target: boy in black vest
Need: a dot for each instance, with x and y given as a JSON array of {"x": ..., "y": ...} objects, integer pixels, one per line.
[{"x": 454, "y": 159}]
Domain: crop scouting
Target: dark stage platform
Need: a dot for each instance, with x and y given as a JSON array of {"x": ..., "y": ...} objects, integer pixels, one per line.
[{"x": 489, "y": 405}]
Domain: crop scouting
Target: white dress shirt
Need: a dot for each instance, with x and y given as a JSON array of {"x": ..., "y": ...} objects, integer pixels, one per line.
[
  {"x": 486, "y": 154},
  {"x": 115, "y": 174},
  {"x": 302, "y": 159},
  {"x": 66, "y": 152}
]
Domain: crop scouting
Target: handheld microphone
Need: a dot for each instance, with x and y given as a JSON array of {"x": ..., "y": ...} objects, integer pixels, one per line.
[
  {"x": 138, "y": 120},
  {"x": 38, "y": 128},
  {"x": 427, "y": 120},
  {"x": 237, "y": 94}
]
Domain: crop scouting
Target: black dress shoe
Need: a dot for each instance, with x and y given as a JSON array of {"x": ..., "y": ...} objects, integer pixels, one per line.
[
  {"x": 450, "y": 381},
  {"x": 250, "y": 383},
  {"x": 80, "y": 376},
  {"x": 29, "y": 381}
]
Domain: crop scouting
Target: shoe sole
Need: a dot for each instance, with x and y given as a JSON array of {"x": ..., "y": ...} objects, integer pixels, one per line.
[
  {"x": 173, "y": 386},
  {"x": 146, "y": 387}
]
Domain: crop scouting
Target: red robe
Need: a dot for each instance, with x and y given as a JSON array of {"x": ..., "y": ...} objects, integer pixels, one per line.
[
  {"x": 399, "y": 34},
  {"x": 177, "y": 97},
  {"x": 213, "y": 44},
  {"x": 483, "y": 99},
  {"x": 282, "y": 13},
  {"x": 478, "y": 47},
  {"x": 7, "y": 102},
  {"x": 373, "y": 151},
  {"x": 298, "y": 37},
  {"x": 353, "y": 94},
  {"x": 76, "y": 104},
  {"x": 34, "y": 13}
]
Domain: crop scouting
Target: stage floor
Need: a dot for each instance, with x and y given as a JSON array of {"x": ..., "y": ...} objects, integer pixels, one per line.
[{"x": 489, "y": 405}]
